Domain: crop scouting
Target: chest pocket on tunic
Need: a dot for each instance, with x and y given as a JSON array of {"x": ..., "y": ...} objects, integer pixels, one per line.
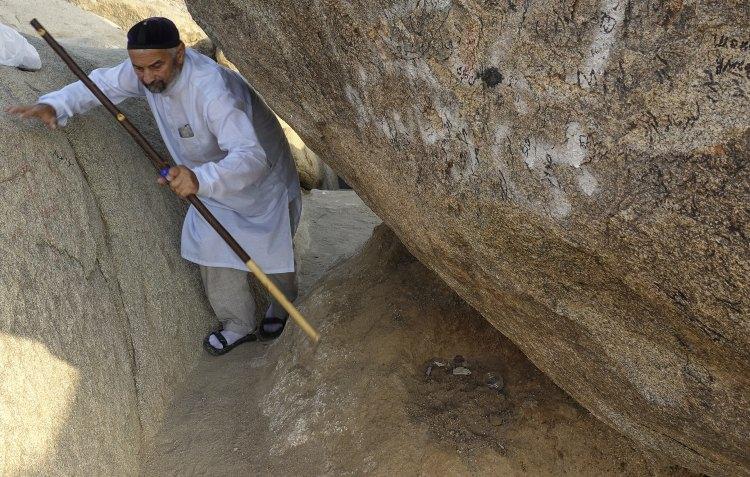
[
  {"x": 187, "y": 140},
  {"x": 186, "y": 133}
]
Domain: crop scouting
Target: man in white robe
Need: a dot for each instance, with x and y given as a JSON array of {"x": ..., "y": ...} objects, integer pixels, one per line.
[{"x": 231, "y": 152}]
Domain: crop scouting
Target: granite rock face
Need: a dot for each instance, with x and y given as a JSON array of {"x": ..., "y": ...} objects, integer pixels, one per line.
[
  {"x": 576, "y": 170},
  {"x": 68, "y": 24},
  {"x": 100, "y": 317},
  {"x": 126, "y": 13}
]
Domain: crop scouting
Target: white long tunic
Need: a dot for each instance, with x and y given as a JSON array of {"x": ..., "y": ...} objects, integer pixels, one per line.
[{"x": 245, "y": 179}]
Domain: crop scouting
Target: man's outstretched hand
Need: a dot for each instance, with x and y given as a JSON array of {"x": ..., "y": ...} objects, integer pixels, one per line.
[
  {"x": 181, "y": 180},
  {"x": 43, "y": 112}
]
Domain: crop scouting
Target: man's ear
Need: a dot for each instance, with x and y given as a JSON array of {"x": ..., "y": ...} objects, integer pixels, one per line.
[{"x": 181, "y": 53}]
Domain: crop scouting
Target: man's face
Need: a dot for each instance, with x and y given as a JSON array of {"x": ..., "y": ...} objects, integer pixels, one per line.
[{"x": 157, "y": 68}]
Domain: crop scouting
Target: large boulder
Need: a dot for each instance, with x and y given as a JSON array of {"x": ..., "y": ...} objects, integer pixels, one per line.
[
  {"x": 577, "y": 171},
  {"x": 100, "y": 317}
]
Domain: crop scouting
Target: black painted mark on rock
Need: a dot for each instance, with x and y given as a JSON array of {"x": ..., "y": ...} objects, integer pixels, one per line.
[
  {"x": 729, "y": 74},
  {"x": 712, "y": 85},
  {"x": 662, "y": 73},
  {"x": 491, "y": 77}
]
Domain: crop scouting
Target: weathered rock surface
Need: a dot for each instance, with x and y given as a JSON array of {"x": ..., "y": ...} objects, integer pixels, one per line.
[
  {"x": 68, "y": 24},
  {"x": 361, "y": 402},
  {"x": 100, "y": 317},
  {"x": 576, "y": 170},
  {"x": 126, "y": 13},
  {"x": 334, "y": 225}
]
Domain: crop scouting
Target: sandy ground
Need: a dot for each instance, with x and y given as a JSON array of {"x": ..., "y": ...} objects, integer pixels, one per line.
[
  {"x": 380, "y": 394},
  {"x": 334, "y": 225}
]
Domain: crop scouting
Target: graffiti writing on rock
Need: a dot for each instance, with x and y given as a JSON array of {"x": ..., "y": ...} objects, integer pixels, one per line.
[
  {"x": 732, "y": 58},
  {"x": 736, "y": 66},
  {"x": 658, "y": 126},
  {"x": 731, "y": 43}
]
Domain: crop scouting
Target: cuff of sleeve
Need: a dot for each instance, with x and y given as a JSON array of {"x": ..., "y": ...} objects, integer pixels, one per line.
[
  {"x": 205, "y": 184},
  {"x": 62, "y": 118}
]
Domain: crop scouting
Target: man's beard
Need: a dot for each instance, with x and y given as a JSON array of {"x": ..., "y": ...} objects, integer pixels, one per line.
[{"x": 158, "y": 86}]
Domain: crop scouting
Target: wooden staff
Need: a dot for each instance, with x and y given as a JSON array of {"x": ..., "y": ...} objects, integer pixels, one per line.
[{"x": 163, "y": 167}]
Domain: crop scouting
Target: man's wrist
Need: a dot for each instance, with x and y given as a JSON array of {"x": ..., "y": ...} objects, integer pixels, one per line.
[
  {"x": 195, "y": 180},
  {"x": 62, "y": 118},
  {"x": 204, "y": 185},
  {"x": 54, "y": 111}
]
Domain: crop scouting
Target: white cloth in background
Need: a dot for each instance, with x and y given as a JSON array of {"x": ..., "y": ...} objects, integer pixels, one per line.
[
  {"x": 215, "y": 124},
  {"x": 16, "y": 51}
]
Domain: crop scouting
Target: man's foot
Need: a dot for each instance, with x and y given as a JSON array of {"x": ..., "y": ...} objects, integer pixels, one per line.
[
  {"x": 220, "y": 342},
  {"x": 271, "y": 328}
]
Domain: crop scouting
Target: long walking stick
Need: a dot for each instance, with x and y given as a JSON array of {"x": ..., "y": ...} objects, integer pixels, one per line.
[{"x": 163, "y": 167}]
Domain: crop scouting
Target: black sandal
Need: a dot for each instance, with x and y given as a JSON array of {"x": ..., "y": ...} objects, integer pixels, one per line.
[
  {"x": 226, "y": 347},
  {"x": 271, "y": 335}
]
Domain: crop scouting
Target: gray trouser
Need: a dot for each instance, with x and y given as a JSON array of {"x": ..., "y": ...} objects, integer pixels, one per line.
[{"x": 229, "y": 293}]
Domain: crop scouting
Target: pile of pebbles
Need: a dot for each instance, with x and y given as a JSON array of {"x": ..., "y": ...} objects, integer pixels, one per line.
[{"x": 458, "y": 366}]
